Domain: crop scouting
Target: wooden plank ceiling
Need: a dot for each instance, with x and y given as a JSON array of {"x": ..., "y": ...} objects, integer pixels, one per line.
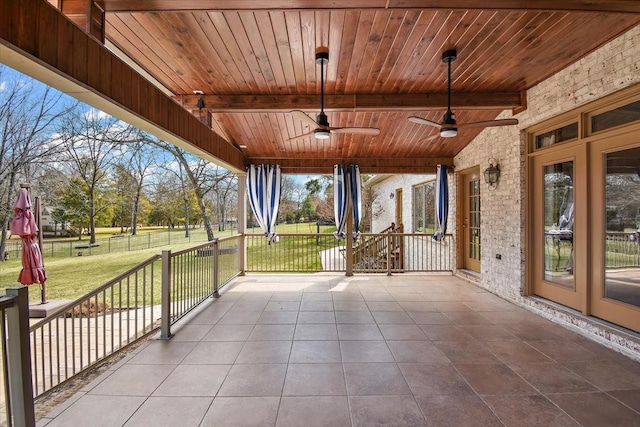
[{"x": 255, "y": 63}]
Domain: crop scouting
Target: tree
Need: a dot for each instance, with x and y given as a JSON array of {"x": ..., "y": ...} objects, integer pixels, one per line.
[
  {"x": 92, "y": 142},
  {"x": 28, "y": 116}
]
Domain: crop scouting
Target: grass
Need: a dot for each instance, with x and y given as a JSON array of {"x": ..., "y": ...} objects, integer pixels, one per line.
[{"x": 72, "y": 276}]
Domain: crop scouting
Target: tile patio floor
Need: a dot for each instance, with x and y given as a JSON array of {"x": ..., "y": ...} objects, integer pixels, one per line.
[{"x": 327, "y": 350}]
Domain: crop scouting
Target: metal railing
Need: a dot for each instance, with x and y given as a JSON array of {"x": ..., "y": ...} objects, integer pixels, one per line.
[
  {"x": 158, "y": 292},
  {"x": 192, "y": 275},
  {"x": 373, "y": 253},
  {"x": 96, "y": 325},
  {"x": 113, "y": 244},
  {"x": 622, "y": 249}
]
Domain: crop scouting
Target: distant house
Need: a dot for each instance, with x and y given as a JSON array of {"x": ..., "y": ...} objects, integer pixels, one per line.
[{"x": 403, "y": 199}]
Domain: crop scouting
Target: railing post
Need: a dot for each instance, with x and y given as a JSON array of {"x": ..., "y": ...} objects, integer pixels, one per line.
[
  {"x": 242, "y": 222},
  {"x": 19, "y": 359},
  {"x": 215, "y": 260},
  {"x": 165, "y": 308},
  {"x": 389, "y": 249}
]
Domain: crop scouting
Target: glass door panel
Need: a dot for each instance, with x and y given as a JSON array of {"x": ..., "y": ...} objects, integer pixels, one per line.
[
  {"x": 471, "y": 221},
  {"x": 622, "y": 233},
  {"x": 557, "y": 205},
  {"x": 557, "y": 234}
]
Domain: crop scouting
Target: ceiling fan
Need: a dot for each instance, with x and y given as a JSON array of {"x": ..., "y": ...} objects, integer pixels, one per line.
[
  {"x": 449, "y": 127},
  {"x": 321, "y": 124}
]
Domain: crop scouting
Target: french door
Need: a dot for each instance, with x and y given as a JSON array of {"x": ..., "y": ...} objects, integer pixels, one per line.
[{"x": 470, "y": 223}]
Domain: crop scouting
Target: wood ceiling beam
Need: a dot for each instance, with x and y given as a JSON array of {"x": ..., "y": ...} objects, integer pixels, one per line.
[
  {"x": 366, "y": 164},
  {"x": 365, "y": 102},
  {"x": 606, "y": 6}
]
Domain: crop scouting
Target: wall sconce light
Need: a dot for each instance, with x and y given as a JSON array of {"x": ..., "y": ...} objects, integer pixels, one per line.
[
  {"x": 391, "y": 195},
  {"x": 200, "y": 103},
  {"x": 492, "y": 173}
]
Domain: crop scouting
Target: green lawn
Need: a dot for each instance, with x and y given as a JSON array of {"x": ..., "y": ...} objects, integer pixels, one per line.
[{"x": 72, "y": 276}]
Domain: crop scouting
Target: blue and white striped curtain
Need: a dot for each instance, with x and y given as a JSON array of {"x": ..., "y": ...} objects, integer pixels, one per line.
[
  {"x": 347, "y": 191},
  {"x": 264, "y": 184},
  {"x": 442, "y": 202}
]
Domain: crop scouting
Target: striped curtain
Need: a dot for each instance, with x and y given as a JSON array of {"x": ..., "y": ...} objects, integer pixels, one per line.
[
  {"x": 442, "y": 202},
  {"x": 264, "y": 187},
  {"x": 347, "y": 192}
]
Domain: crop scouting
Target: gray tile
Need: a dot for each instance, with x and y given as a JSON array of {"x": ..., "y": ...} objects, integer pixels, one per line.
[
  {"x": 491, "y": 379},
  {"x": 365, "y": 351},
  {"x": 282, "y": 306},
  {"x": 316, "y": 317},
  {"x": 254, "y": 380},
  {"x": 193, "y": 380},
  {"x": 229, "y": 333},
  {"x": 359, "y": 332},
  {"x": 272, "y": 333},
  {"x": 316, "y": 332},
  {"x": 429, "y": 318},
  {"x": 384, "y": 306},
  {"x": 417, "y": 305},
  {"x": 457, "y": 411},
  {"x": 278, "y": 317},
  {"x": 552, "y": 377},
  {"x": 596, "y": 409},
  {"x": 105, "y": 411},
  {"x": 265, "y": 352},
  {"x": 606, "y": 375},
  {"x": 163, "y": 353},
  {"x": 350, "y": 306},
  {"x": 365, "y": 379},
  {"x": 133, "y": 380},
  {"x": 354, "y": 317},
  {"x": 314, "y": 379},
  {"x": 428, "y": 379},
  {"x": 369, "y": 411},
  {"x": 527, "y": 411},
  {"x": 315, "y": 352},
  {"x": 242, "y": 412},
  {"x": 190, "y": 332},
  {"x": 416, "y": 351},
  {"x": 315, "y": 411},
  {"x": 392, "y": 317},
  {"x": 236, "y": 317},
  {"x": 214, "y": 353},
  {"x": 170, "y": 412},
  {"x": 402, "y": 332},
  {"x": 312, "y": 305}
]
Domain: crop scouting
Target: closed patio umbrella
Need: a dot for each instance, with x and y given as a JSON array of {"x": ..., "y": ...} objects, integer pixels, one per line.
[{"x": 24, "y": 225}]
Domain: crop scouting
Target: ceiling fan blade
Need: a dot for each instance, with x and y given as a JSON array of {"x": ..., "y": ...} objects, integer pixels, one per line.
[
  {"x": 489, "y": 123},
  {"x": 360, "y": 131},
  {"x": 304, "y": 135},
  {"x": 303, "y": 117},
  {"x": 430, "y": 138},
  {"x": 421, "y": 121}
]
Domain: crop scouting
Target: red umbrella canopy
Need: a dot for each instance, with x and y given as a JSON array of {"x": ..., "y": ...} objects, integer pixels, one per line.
[{"x": 24, "y": 225}]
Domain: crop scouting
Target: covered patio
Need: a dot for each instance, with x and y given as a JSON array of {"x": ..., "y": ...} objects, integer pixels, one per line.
[{"x": 330, "y": 350}]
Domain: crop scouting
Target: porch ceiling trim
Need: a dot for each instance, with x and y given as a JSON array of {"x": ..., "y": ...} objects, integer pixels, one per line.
[
  {"x": 617, "y": 6},
  {"x": 38, "y": 40},
  {"x": 367, "y": 165}
]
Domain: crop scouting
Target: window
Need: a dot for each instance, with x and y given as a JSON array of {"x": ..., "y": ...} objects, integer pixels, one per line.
[
  {"x": 562, "y": 134},
  {"x": 618, "y": 116},
  {"x": 424, "y": 208}
]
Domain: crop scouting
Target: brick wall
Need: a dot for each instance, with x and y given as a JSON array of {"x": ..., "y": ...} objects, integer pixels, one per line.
[{"x": 614, "y": 66}]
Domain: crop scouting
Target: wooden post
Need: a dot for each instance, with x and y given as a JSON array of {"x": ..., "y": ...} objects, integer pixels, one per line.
[
  {"x": 19, "y": 358},
  {"x": 349, "y": 241},
  {"x": 242, "y": 222}
]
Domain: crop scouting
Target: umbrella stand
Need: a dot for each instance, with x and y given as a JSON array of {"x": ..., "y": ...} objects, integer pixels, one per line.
[{"x": 38, "y": 212}]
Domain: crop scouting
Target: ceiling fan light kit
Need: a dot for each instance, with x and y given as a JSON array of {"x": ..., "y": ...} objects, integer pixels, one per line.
[
  {"x": 322, "y": 129},
  {"x": 449, "y": 127}
]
